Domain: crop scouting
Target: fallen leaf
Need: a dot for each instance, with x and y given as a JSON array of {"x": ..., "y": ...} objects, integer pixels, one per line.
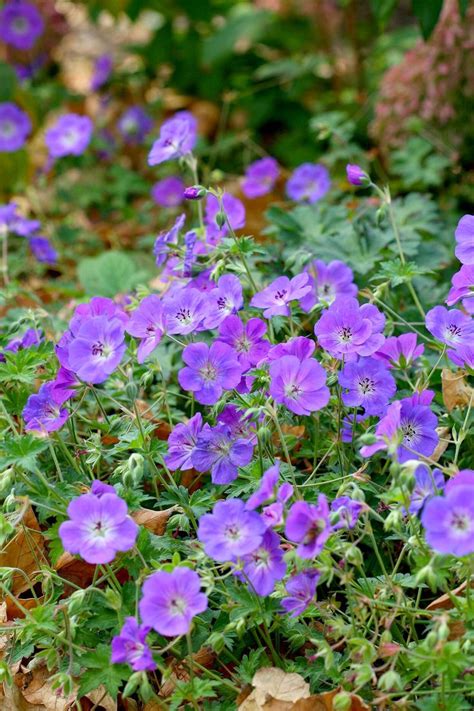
[
  {"x": 180, "y": 672},
  {"x": 75, "y": 570},
  {"x": 36, "y": 689},
  {"x": 100, "y": 697},
  {"x": 443, "y": 434},
  {"x": 154, "y": 521},
  {"x": 275, "y": 690},
  {"x": 456, "y": 392},
  {"x": 444, "y": 601},
  {"x": 24, "y": 551}
]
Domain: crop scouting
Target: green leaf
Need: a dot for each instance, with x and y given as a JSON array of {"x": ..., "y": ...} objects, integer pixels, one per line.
[
  {"x": 248, "y": 26},
  {"x": 109, "y": 274},
  {"x": 397, "y": 273},
  {"x": 21, "y": 451},
  {"x": 7, "y": 82},
  {"x": 99, "y": 670},
  {"x": 383, "y": 10},
  {"x": 427, "y": 13},
  {"x": 463, "y": 5}
]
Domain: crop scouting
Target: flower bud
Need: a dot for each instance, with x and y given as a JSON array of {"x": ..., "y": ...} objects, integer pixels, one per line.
[
  {"x": 354, "y": 556},
  {"x": 394, "y": 521},
  {"x": 356, "y": 176},
  {"x": 342, "y": 701},
  {"x": 220, "y": 219},
  {"x": 390, "y": 681},
  {"x": 195, "y": 192},
  {"x": 426, "y": 575},
  {"x": 75, "y": 601},
  {"x": 132, "y": 390}
]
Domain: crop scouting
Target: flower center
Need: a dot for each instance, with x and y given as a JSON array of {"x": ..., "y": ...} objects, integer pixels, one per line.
[
  {"x": 366, "y": 386},
  {"x": 7, "y": 129},
  {"x": 208, "y": 372},
  {"x": 345, "y": 334},
  {"x": 101, "y": 350},
  {"x": 326, "y": 291},
  {"x": 280, "y": 295},
  {"x": 261, "y": 558},
  {"x": 242, "y": 345},
  {"x": 70, "y": 138},
  {"x": 316, "y": 528},
  {"x": 177, "y": 605},
  {"x": 134, "y": 650},
  {"x": 20, "y": 25},
  {"x": 184, "y": 315},
  {"x": 232, "y": 532},
  {"x": 453, "y": 332},
  {"x": 460, "y": 522},
  {"x": 293, "y": 391},
  {"x": 410, "y": 432},
  {"x": 222, "y": 303}
]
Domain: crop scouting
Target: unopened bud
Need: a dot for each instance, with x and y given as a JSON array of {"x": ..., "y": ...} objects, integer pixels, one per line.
[
  {"x": 390, "y": 681},
  {"x": 195, "y": 192},
  {"x": 220, "y": 219}
]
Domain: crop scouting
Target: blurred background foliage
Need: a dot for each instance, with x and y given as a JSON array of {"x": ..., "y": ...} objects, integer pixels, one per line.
[{"x": 388, "y": 83}]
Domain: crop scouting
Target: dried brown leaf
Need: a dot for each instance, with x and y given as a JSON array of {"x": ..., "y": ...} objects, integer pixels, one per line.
[
  {"x": 154, "y": 521},
  {"x": 275, "y": 690},
  {"x": 36, "y": 689},
  {"x": 456, "y": 392},
  {"x": 443, "y": 434},
  {"x": 24, "y": 551}
]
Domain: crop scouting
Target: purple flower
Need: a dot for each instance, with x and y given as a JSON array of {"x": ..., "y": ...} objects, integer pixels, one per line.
[
  {"x": 266, "y": 490},
  {"x": 265, "y": 565},
  {"x": 465, "y": 240},
  {"x": 346, "y": 329},
  {"x": 223, "y": 301},
  {"x": 427, "y": 484},
  {"x": 134, "y": 124},
  {"x": 31, "y": 337},
  {"x": 184, "y": 310},
  {"x": 276, "y": 297},
  {"x": 302, "y": 590},
  {"x": 300, "y": 346},
  {"x": 42, "y": 412},
  {"x": 239, "y": 423},
  {"x": 235, "y": 213},
  {"x": 171, "y": 600},
  {"x": 182, "y": 442},
  {"x": 164, "y": 239},
  {"x": 99, "y": 527},
  {"x": 194, "y": 192},
  {"x": 409, "y": 425},
  {"x": 13, "y": 222},
  {"x": 168, "y": 192},
  {"x": 69, "y": 136},
  {"x": 272, "y": 515},
  {"x": 221, "y": 453},
  {"x": 463, "y": 356},
  {"x": 43, "y": 250},
  {"x": 299, "y": 385},
  {"x": 64, "y": 385},
  {"x": 345, "y": 512},
  {"x": 309, "y": 525},
  {"x": 230, "y": 531},
  {"x": 20, "y": 24},
  {"x": 102, "y": 70},
  {"x": 328, "y": 282},
  {"x": 15, "y": 127},
  {"x": 463, "y": 288},
  {"x": 355, "y": 174},
  {"x": 97, "y": 306},
  {"x": 99, "y": 488},
  {"x": 97, "y": 349},
  {"x": 465, "y": 477},
  {"x": 260, "y": 177},
  {"x": 309, "y": 182},
  {"x": 368, "y": 384},
  {"x": 451, "y": 327},
  {"x": 400, "y": 351},
  {"x": 146, "y": 323},
  {"x": 130, "y": 646},
  {"x": 449, "y": 522},
  {"x": 177, "y": 138},
  {"x": 209, "y": 371},
  {"x": 245, "y": 339}
]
